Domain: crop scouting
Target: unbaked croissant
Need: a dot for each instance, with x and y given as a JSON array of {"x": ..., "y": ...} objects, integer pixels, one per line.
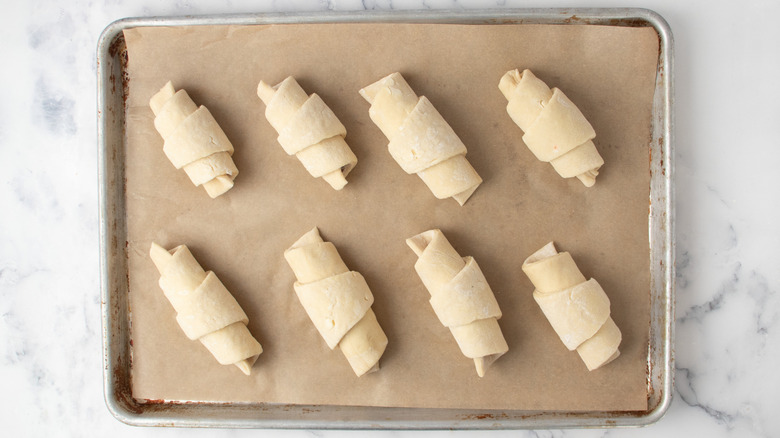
[
  {"x": 421, "y": 141},
  {"x": 309, "y": 130},
  {"x": 578, "y": 309},
  {"x": 338, "y": 301},
  {"x": 193, "y": 140},
  {"x": 554, "y": 128},
  {"x": 460, "y": 297},
  {"x": 205, "y": 309}
]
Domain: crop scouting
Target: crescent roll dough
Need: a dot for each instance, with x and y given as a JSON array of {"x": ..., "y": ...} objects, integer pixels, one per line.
[
  {"x": 309, "y": 130},
  {"x": 205, "y": 310},
  {"x": 578, "y": 309},
  {"x": 193, "y": 140},
  {"x": 421, "y": 141},
  {"x": 554, "y": 128},
  {"x": 460, "y": 297},
  {"x": 337, "y": 300}
]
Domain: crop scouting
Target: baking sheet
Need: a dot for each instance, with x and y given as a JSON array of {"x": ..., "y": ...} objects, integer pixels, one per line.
[{"x": 608, "y": 71}]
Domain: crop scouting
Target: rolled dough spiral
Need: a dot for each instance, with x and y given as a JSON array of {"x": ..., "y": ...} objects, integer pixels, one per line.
[
  {"x": 337, "y": 300},
  {"x": 578, "y": 309},
  {"x": 309, "y": 130},
  {"x": 554, "y": 128},
  {"x": 421, "y": 141},
  {"x": 193, "y": 140},
  {"x": 205, "y": 309},
  {"x": 460, "y": 297}
]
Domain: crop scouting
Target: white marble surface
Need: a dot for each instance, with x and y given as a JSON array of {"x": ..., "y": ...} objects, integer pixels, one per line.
[{"x": 728, "y": 112}]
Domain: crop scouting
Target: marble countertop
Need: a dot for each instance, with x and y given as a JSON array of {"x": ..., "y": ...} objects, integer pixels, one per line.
[{"x": 727, "y": 342}]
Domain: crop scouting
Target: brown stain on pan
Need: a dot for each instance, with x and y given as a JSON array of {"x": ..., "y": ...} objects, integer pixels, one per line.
[
  {"x": 118, "y": 82},
  {"x": 628, "y": 22},
  {"x": 121, "y": 388},
  {"x": 609, "y": 418},
  {"x": 486, "y": 416},
  {"x": 118, "y": 50}
]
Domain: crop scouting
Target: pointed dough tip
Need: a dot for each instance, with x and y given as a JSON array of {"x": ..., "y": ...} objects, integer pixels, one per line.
[
  {"x": 588, "y": 178},
  {"x": 336, "y": 179},
  {"x": 484, "y": 362},
  {"x": 509, "y": 82},
  {"x": 160, "y": 256},
  {"x": 373, "y": 369},
  {"x": 244, "y": 366},
  {"x": 421, "y": 241},
  {"x": 464, "y": 196},
  {"x": 417, "y": 244},
  {"x": 480, "y": 365},
  {"x": 365, "y": 95},
  {"x": 265, "y": 92},
  {"x": 369, "y": 92},
  {"x": 311, "y": 236},
  {"x": 161, "y": 97},
  {"x": 544, "y": 252},
  {"x": 314, "y": 233},
  {"x": 218, "y": 186}
]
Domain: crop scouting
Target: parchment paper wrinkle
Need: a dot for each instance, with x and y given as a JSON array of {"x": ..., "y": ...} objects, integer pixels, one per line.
[{"x": 522, "y": 204}]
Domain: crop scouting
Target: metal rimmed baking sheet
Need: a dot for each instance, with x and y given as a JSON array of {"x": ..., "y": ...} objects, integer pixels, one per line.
[{"x": 115, "y": 273}]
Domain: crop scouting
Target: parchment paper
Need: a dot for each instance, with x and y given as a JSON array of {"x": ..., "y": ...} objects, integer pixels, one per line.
[{"x": 608, "y": 72}]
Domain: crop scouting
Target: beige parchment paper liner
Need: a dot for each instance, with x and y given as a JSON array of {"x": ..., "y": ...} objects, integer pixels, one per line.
[{"x": 522, "y": 204}]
